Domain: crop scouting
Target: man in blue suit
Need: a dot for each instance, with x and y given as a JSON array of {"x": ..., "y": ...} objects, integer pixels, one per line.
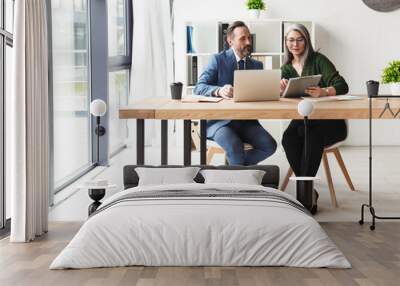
[{"x": 217, "y": 80}]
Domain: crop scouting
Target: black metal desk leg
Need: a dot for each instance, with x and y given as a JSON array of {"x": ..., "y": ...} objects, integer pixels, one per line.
[
  {"x": 140, "y": 141},
  {"x": 369, "y": 205},
  {"x": 203, "y": 142},
  {"x": 164, "y": 142},
  {"x": 187, "y": 142}
]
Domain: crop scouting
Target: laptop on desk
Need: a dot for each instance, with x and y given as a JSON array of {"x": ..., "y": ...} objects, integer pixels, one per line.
[{"x": 256, "y": 85}]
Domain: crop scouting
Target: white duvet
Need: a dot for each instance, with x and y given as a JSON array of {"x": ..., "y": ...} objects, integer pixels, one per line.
[{"x": 200, "y": 231}]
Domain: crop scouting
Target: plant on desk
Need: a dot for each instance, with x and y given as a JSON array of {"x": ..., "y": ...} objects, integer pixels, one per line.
[
  {"x": 254, "y": 7},
  {"x": 391, "y": 75}
]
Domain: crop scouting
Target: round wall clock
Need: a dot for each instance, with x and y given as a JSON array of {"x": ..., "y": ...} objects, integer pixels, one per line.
[{"x": 383, "y": 5}]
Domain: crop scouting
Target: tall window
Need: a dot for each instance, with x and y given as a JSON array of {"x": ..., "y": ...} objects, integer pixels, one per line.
[
  {"x": 6, "y": 44},
  {"x": 71, "y": 90},
  {"x": 119, "y": 53},
  {"x": 79, "y": 72},
  {"x": 117, "y": 28}
]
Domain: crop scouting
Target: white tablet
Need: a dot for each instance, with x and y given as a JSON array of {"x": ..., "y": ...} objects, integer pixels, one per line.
[{"x": 296, "y": 86}]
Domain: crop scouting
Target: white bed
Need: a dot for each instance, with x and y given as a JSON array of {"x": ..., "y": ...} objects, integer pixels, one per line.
[{"x": 188, "y": 231}]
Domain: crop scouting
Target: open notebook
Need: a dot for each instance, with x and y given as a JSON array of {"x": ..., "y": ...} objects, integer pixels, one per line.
[
  {"x": 333, "y": 98},
  {"x": 199, "y": 98}
]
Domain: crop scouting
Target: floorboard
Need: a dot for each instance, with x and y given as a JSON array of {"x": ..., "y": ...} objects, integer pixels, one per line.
[{"x": 374, "y": 255}]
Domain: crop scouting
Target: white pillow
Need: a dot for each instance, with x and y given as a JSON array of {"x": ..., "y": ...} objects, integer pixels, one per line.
[
  {"x": 166, "y": 176},
  {"x": 248, "y": 177}
]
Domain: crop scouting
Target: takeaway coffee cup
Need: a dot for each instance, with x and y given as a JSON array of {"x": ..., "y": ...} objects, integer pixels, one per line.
[
  {"x": 176, "y": 90},
  {"x": 372, "y": 88}
]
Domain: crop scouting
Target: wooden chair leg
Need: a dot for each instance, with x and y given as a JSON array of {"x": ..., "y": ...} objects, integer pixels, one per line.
[
  {"x": 329, "y": 179},
  {"x": 343, "y": 168},
  {"x": 286, "y": 179},
  {"x": 212, "y": 151},
  {"x": 210, "y": 154}
]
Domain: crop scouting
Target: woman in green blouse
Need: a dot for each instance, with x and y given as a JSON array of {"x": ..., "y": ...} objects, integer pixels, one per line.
[{"x": 302, "y": 60}]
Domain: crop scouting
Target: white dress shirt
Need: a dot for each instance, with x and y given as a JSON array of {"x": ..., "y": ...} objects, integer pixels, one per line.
[{"x": 238, "y": 58}]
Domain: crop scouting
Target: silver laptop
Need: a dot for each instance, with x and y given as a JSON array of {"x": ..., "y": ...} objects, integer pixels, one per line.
[{"x": 256, "y": 85}]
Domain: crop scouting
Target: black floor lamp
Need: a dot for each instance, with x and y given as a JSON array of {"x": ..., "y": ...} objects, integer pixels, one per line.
[
  {"x": 98, "y": 108},
  {"x": 305, "y": 184}
]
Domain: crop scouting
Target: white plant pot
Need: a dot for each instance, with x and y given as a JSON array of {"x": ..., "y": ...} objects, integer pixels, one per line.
[
  {"x": 395, "y": 88},
  {"x": 254, "y": 13},
  {"x": 264, "y": 14}
]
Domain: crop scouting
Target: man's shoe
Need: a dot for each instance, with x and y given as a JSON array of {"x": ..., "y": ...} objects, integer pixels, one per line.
[
  {"x": 316, "y": 195},
  {"x": 314, "y": 207}
]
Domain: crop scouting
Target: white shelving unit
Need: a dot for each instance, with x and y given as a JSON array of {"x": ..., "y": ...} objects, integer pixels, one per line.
[
  {"x": 269, "y": 34},
  {"x": 268, "y": 48}
]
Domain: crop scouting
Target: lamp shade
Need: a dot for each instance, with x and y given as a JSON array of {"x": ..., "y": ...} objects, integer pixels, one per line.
[
  {"x": 305, "y": 108},
  {"x": 98, "y": 107}
]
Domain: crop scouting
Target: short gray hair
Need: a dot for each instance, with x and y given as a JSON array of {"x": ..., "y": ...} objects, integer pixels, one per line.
[
  {"x": 233, "y": 26},
  {"x": 309, "y": 50}
]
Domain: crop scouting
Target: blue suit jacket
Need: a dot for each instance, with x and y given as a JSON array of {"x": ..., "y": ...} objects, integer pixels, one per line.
[{"x": 218, "y": 73}]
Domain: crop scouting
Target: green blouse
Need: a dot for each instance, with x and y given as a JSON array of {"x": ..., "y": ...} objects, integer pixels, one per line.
[{"x": 319, "y": 64}]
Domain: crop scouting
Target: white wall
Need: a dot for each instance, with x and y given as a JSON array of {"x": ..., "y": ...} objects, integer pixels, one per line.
[{"x": 357, "y": 39}]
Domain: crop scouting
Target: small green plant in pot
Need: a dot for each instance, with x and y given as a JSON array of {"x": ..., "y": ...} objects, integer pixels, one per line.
[
  {"x": 254, "y": 7},
  {"x": 391, "y": 75}
]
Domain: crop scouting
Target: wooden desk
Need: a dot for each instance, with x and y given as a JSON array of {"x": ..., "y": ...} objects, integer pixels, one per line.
[
  {"x": 165, "y": 109},
  {"x": 143, "y": 108},
  {"x": 284, "y": 109}
]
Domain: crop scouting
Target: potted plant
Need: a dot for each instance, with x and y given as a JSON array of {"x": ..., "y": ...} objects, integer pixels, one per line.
[
  {"x": 391, "y": 75},
  {"x": 254, "y": 7}
]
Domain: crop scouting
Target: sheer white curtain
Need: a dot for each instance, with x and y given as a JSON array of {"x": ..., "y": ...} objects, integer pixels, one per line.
[
  {"x": 27, "y": 119},
  {"x": 152, "y": 64}
]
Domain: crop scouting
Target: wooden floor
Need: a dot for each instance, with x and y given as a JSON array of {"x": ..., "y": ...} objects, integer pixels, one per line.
[{"x": 375, "y": 257}]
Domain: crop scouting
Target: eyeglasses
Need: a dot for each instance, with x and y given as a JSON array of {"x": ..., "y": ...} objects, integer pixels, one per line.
[{"x": 293, "y": 40}]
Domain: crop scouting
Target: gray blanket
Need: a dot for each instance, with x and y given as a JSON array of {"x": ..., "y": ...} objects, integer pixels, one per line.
[{"x": 206, "y": 194}]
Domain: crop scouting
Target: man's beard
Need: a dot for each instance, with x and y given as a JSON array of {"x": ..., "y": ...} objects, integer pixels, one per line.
[{"x": 246, "y": 51}]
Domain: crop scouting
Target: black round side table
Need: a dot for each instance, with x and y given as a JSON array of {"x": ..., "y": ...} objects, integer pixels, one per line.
[{"x": 96, "y": 195}]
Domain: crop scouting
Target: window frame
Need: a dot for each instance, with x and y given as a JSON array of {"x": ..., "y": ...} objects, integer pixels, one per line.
[
  {"x": 6, "y": 39},
  {"x": 116, "y": 63},
  {"x": 119, "y": 63}
]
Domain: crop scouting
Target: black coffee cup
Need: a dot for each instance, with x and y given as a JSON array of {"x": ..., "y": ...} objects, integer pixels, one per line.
[
  {"x": 176, "y": 90},
  {"x": 372, "y": 88}
]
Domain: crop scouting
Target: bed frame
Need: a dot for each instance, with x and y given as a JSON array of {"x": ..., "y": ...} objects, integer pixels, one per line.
[{"x": 270, "y": 179}]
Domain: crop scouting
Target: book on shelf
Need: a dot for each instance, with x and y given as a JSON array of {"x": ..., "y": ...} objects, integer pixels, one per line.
[
  {"x": 192, "y": 70},
  {"x": 189, "y": 72},
  {"x": 222, "y": 41},
  {"x": 253, "y": 43},
  {"x": 189, "y": 39},
  {"x": 195, "y": 75},
  {"x": 285, "y": 26},
  {"x": 196, "y": 65}
]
